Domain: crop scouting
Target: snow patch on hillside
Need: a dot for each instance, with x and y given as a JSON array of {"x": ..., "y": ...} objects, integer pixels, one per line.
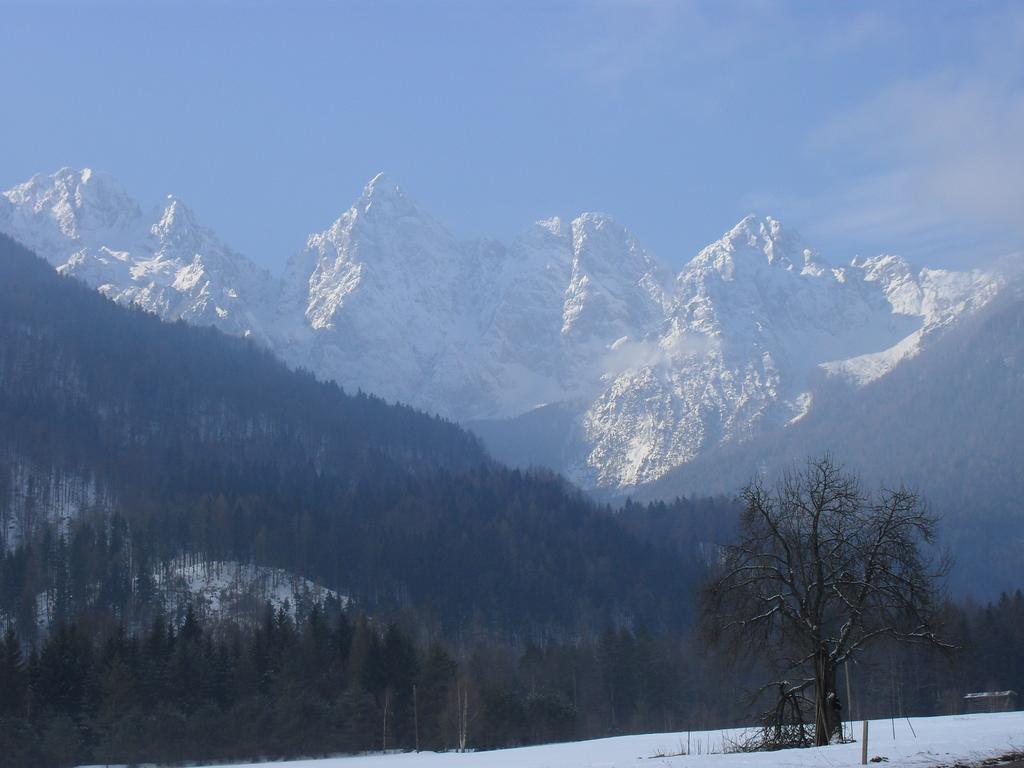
[
  {"x": 30, "y": 499},
  {"x": 226, "y": 589},
  {"x": 217, "y": 590}
]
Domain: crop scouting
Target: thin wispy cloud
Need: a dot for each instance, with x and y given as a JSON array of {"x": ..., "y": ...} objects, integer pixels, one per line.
[
  {"x": 621, "y": 41},
  {"x": 951, "y": 147},
  {"x": 941, "y": 155}
]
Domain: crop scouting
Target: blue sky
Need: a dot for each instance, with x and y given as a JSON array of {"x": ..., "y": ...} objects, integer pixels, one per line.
[{"x": 869, "y": 127}]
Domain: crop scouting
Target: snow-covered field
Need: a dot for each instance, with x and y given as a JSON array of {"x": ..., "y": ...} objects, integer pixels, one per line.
[{"x": 920, "y": 743}]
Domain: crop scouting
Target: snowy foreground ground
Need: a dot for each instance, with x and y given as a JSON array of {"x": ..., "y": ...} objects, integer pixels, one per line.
[{"x": 921, "y": 743}]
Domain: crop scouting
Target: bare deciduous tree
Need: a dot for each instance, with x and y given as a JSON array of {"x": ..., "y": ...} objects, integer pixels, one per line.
[{"x": 820, "y": 570}]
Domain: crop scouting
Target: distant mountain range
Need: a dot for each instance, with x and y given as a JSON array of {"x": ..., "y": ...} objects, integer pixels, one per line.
[{"x": 571, "y": 346}]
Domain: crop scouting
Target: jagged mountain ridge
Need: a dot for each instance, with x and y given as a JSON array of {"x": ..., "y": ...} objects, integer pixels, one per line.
[
  {"x": 654, "y": 369},
  {"x": 87, "y": 226}
]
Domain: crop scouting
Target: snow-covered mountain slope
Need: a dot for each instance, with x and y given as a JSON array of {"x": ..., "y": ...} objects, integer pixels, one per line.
[
  {"x": 755, "y": 319},
  {"x": 652, "y": 369},
  {"x": 87, "y": 226},
  {"x": 387, "y": 300}
]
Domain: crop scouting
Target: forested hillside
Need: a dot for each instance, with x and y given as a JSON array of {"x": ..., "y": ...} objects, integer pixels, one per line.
[
  {"x": 129, "y": 442},
  {"x": 330, "y": 684}
]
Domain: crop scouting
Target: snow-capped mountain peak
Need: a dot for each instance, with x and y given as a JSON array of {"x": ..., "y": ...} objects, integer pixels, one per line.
[
  {"x": 616, "y": 287},
  {"x": 382, "y": 189},
  {"x": 77, "y": 206},
  {"x": 751, "y": 245},
  {"x": 177, "y": 225},
  {"x": 383, "y": 201},
  {"x": 384, "y": 216},
  {"x": 88, "y": 226},
  {"x": 553, "y": 225},
  {"x": 80, "y": 202}
]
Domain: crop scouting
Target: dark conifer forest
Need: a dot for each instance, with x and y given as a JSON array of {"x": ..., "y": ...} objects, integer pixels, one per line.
[
  {"x": 465, "y": 604},
  {"x": 333, "y": 683}
]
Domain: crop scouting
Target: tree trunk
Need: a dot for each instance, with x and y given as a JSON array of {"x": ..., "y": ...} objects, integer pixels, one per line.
[
  {"x": 462, "y": 692},
  {"x": 416, "y": 717},
  {"x": 827, "y": 721}
]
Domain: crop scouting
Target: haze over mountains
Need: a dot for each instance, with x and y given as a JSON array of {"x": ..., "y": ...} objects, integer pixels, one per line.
[{"x": 572, "y": 345}]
